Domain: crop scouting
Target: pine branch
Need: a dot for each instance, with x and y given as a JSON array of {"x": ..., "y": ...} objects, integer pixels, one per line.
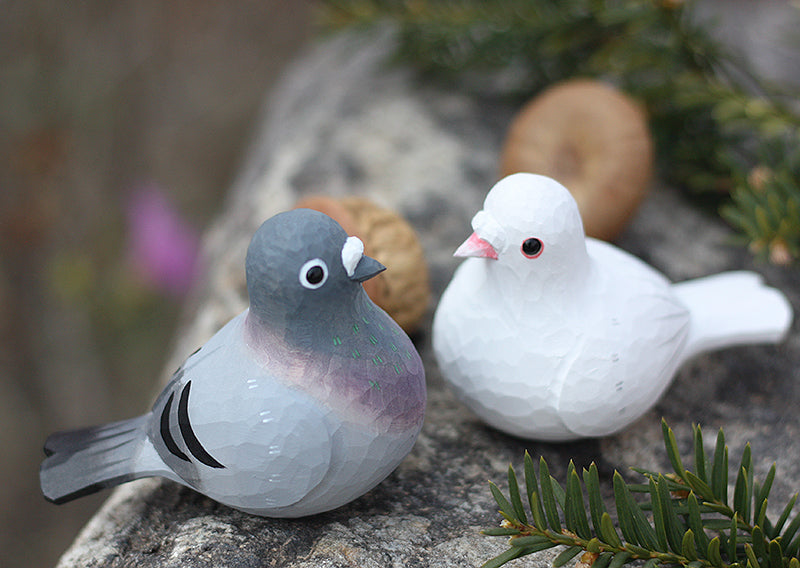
[
  {"x": 682, "y": 518},
  {"x": 765, "y": 203}
]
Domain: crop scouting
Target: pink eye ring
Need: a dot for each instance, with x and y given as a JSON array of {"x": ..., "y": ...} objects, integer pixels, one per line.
[{"x": 532, "y": 248}]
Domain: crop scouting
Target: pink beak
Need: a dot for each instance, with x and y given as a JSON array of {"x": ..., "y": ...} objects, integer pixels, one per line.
[{"x": 476, "y": 246}]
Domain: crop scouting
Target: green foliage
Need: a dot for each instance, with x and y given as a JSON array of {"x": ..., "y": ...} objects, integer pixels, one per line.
[
  {"x": 703, "y": 120},
  {"x": 766, "y": 203},
  {"x": 682, "y": 518}
]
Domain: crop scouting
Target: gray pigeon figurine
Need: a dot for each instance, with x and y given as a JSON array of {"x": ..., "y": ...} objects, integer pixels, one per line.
[{"x": 300, "y": 404}]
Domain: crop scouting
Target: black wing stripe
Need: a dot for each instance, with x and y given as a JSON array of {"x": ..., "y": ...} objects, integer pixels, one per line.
[
  {"x": 166, "y": 435},
  {"x": 192, "y": 443}
]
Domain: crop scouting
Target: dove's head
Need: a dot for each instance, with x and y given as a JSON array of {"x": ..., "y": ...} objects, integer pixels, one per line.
[
  {"x": 302, "y": 270},
  {"x": 529, "y": 225}
]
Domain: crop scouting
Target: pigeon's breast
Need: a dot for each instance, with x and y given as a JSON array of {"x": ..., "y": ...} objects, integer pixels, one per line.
[{"x": 361, "y": 364}]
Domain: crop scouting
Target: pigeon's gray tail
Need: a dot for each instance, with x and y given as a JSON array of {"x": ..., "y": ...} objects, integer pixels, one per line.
[
  {"x": 733, "y": 308},
  {"x": 80, "y": 462}
]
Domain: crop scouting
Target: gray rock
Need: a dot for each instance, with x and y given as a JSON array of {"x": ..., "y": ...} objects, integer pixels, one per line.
[{"x": 342, "y": 122}]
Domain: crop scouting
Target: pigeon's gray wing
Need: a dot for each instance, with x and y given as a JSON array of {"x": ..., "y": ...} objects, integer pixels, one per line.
[
  {"x": 273, "y": 444},
  {"x": 231, "y": 430}
]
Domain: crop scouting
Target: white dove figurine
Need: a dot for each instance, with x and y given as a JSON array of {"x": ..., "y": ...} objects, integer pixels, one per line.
[
  {"x": 550, "y": 335},
  {"x": 301, "y": 403}
]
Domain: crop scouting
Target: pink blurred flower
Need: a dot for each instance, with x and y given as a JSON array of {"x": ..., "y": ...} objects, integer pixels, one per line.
[{"x": 162, "y": 246}]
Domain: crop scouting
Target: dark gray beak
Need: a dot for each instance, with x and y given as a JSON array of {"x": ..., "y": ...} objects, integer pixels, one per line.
[{"x": 366, "y": 268}]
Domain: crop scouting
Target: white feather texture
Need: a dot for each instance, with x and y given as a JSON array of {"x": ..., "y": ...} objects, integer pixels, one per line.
[{"x": 562, "y": 336}]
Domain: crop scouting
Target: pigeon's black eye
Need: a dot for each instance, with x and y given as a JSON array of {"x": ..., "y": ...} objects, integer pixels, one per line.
[
  {"x": 314, "y": 273},
  {"x": 532, "y": 247}
]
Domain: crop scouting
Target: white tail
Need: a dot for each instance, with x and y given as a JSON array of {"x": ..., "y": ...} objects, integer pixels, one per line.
[{"x": 732, "y": 308}]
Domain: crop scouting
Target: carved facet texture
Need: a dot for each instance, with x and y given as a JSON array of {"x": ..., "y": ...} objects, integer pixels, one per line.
[
  {"x": 300, "y": 404},
  {"x": 582, "y": 338}
]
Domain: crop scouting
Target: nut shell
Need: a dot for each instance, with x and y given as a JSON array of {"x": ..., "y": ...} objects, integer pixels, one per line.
[
  {"x": 403, "y": 289},
  {"x": 594, "y": 140}
]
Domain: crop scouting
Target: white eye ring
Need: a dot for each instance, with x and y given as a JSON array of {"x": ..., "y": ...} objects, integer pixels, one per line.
[{"x": 313, "y": 281}]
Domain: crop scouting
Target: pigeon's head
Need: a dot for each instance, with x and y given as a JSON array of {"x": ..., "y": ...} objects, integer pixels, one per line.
[
  {"x": 530, "y": 224},
  {"x": 303, "y": 268}
]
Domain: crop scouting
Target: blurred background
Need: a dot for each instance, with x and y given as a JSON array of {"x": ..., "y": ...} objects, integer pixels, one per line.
[
  {"x": 121, "y": 128},
  {"x": 122, "y": 125}
]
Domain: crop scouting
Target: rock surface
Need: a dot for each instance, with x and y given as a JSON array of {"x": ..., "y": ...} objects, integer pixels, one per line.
[{"x": 342, "y": 122}]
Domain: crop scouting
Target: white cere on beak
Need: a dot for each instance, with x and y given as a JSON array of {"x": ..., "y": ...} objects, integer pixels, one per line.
[
  {"x": 352, "y": 251},
  {"x": 488, "y": 229}
]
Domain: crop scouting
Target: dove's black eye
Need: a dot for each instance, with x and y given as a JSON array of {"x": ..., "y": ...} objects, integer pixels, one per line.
[
  {"x": 314, "y": 273},
  {"x": 532, "y": 247}
]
